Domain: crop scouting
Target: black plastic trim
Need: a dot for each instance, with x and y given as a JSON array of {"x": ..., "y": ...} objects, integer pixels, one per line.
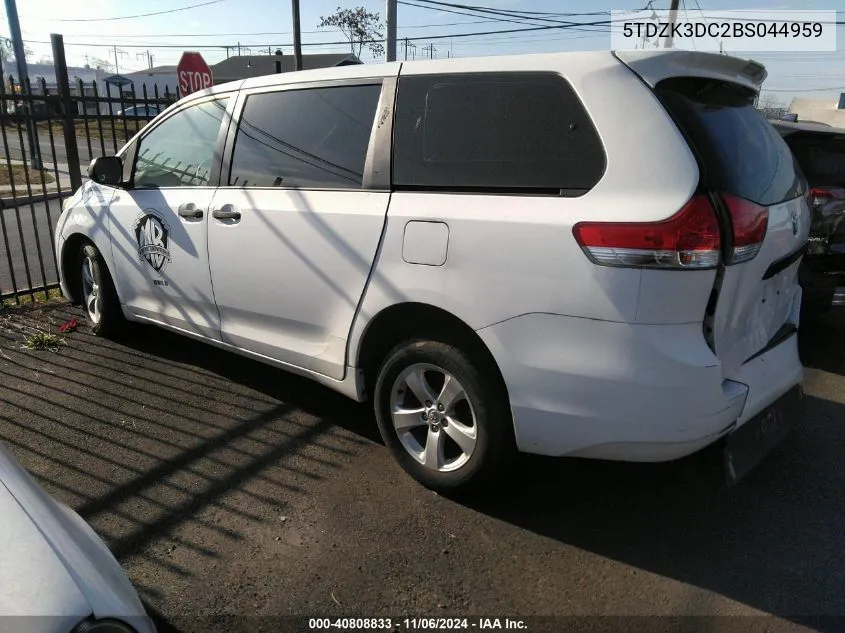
[
  {"x": 786, "y": 330},
  {"x": 783, "y": 263}
]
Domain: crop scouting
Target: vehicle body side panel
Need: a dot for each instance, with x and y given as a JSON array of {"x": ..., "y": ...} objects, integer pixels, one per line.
[{"x": 516, "y": 254}]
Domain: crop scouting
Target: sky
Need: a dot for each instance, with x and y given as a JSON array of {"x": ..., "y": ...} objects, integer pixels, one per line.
[{"x": 259, "y": 24}]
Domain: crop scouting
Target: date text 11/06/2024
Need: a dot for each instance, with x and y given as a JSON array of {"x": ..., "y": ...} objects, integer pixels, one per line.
[{"x": 416, "y": 624}]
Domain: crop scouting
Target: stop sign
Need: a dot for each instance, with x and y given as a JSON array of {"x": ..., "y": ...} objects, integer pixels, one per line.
[{"x": 193, "y": 73}]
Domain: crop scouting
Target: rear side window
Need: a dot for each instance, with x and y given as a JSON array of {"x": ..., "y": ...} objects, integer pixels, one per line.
[
  {"x": 309, "y": 138},
  {"x": 739, "y": 152},
  {"x": 494, "y": 132}
]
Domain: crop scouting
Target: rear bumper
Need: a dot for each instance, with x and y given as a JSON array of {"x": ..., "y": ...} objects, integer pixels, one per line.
[{"x": 619, "y": 391}]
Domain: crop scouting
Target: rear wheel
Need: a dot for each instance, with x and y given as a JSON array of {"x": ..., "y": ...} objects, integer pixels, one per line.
[
  {"x": 99, "y": 298},
  {"x": 442, "y": 414}
]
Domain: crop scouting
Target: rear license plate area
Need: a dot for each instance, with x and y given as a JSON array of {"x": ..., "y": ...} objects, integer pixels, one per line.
[{"x": 750, "y": 443}]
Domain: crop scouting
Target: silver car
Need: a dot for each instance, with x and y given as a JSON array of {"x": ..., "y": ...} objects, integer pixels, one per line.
[{"x": 56, "y": 575}]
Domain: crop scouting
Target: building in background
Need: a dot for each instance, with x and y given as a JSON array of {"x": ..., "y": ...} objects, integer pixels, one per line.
[
  {"x": 829, "y": 111},
  {"x": 246, "y": 66},
  {"x": 159, "y": 78}
]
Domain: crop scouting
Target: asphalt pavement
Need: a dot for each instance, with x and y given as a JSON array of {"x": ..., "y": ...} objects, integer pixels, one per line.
[
  {"x": 26, "y": 242},
  {"x": 232, "y": 492},
  {"x": 56, "y": 152}
]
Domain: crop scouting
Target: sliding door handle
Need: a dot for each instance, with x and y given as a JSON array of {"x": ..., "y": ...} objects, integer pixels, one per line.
[{"x": 226, "y": 212}]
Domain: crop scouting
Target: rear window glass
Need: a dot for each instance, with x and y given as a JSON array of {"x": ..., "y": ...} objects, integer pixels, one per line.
[
  {"x": 821, "y": 156},
  {"x": 739, "y": 152},
  {"x": 494, "y": 131}
]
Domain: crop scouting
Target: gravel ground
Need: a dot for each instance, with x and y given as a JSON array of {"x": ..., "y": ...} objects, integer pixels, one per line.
[{"x": 228, "y": 489}]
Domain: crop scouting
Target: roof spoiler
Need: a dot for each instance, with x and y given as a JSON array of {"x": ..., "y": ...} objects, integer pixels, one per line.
[{"x": 654, "y": 66}]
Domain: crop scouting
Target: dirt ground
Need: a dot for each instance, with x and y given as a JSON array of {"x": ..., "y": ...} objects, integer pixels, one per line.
[{"x": 231, "y": 492}]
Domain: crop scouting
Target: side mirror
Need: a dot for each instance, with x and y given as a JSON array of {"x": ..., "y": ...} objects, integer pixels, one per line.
[{"x": 106, "y": 170}]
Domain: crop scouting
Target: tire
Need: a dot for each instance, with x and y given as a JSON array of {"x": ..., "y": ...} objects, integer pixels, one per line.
[
  {"x": 99, "y": 298},
  {"x": 469, "y": 422}
]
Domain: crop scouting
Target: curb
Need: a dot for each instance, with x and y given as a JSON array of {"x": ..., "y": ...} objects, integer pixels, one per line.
[{"x": 11, "y": 203}]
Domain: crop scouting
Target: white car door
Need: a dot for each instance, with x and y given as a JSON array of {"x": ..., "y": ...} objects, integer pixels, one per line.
[
  {"x": 297, "y": 220},
  {"x": 158, "y": 222}
]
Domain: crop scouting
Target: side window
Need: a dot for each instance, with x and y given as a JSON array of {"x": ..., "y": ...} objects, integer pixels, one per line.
[
  {"x": 494, "y": 131},
  {"x": 180, "y": 151},
  {"x": 308, "y": 138}
]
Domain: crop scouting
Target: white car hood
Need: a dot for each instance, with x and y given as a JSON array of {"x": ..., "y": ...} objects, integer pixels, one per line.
[{"x": 53, "y": 564}]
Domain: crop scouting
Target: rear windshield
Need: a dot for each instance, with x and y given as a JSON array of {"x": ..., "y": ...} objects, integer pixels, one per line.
[
  {"x": 821, "y": 156},
  {"x": 738, "y": 151}
]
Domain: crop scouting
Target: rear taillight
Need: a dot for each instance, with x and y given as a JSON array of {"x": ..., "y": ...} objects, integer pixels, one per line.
[
  {"x": 749, "y": 222},
  {"x": 688, "y": 240},
  {"x": 819, "y": 197}
]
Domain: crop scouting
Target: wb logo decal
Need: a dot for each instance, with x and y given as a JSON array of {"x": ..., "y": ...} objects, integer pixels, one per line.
[{"x": 153, "y": 235}]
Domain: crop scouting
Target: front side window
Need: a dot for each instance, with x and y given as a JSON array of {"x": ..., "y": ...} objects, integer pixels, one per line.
[
  {"x": 180, "y": 151},
  {"x": 307, "y": 138},
  {"x": 494, "y": 131}
]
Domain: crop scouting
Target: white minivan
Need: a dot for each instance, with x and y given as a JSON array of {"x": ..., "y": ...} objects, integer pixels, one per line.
[{"x": 585, "y": 254}]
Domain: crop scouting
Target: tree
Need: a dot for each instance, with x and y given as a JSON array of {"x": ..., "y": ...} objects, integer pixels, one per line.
[
  {"x": 360, "y": 27},
  {"x": 7, "y": 52},
  {"x": 96, "y": 62},
  {"x": 771, "y": 107}
]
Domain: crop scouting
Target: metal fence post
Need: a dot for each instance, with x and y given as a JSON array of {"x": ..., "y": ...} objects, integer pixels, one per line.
[{"x": 63, "y": 82}]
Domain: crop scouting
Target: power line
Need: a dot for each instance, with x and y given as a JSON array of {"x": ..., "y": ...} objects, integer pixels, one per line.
[
  {"x": 555, "y": 13},
  {"x": 126, "y": 17},
  {"x": 421, "y": 26},
  {"x": 509, "y": 13},
  {"x": 575, "y": 25},
  {"x": 485, "y": 12},
  {"x": 472, "y": 15},
  {"x": 346, "y": 42}
]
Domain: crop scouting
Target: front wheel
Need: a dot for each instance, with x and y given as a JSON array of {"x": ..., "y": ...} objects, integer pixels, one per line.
[
  {"x": 99, "y": 298},
  {"x": 443, "y": 415}
]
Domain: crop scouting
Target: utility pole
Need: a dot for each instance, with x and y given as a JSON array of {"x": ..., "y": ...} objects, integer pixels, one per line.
[
  {"x": 122, "y": 53},
  {"x": 406, "y": 44},
  {"x": 146, "y": 55},
  {"x": 63, "y": 84},
  {"x": 430, "y": 48},
  {"x": 23, "y": 79},
  {"x": 297, "y": 36},
  {"x": 673, "y": 15},
  {"x": 390, "y": 49}
]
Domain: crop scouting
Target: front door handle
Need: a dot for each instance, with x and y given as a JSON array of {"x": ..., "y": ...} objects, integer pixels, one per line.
[
  {"x": 226, "y": 212},
  {"x": 189, "y": 210}
]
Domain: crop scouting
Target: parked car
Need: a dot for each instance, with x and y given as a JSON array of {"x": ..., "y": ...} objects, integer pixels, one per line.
[
  {"x": 140, "y": 112},
  {"x": 56, "y": 575},
  {"x": 820, "y": 151},
  {"x": 523, "y": 252}
]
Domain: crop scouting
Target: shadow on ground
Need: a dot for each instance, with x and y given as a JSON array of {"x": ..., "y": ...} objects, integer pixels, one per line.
[
  {"x": 775, "y": 542},
  {"x": 182, "y": 455}
]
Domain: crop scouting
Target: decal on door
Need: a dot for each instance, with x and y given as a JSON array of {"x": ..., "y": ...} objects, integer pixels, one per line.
[{"x": 153, "y": 235}]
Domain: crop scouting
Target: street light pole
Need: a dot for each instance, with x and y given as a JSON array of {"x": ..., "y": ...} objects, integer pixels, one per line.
[{"x": 297, "y": 38}]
